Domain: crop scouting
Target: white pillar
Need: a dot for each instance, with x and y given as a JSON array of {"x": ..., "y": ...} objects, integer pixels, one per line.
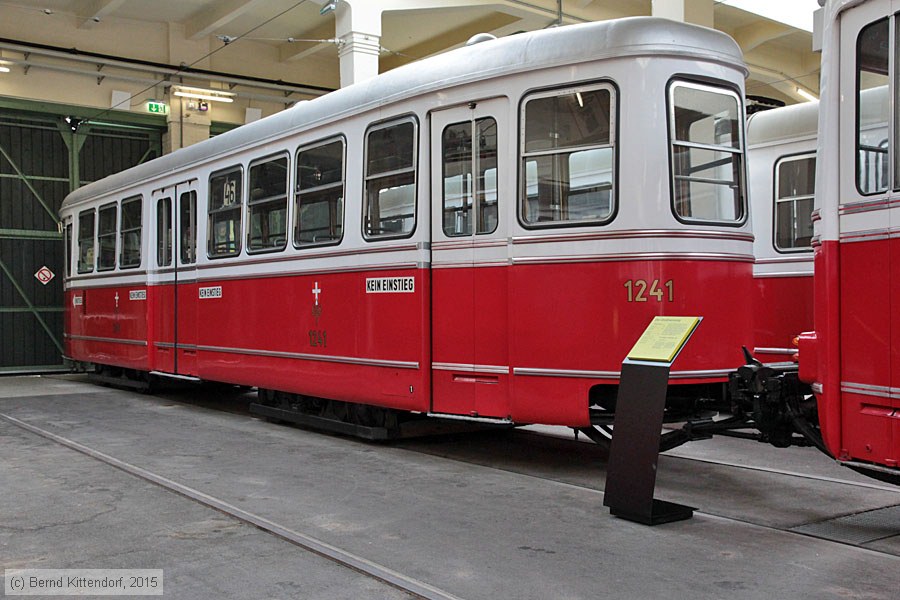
[
  {"x": 358, "y": 27},
  {"x": 699, "y": 12}
]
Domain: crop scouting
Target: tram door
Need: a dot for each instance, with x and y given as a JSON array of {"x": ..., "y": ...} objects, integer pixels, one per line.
[
  {"x": 470, "y": 160},
  {"x": 174, "y": 333},
  {"x": 186, "y": 287}
]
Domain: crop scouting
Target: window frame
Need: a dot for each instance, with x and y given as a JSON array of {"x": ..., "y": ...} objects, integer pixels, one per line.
[
  {"x": 414, "y": 169},
  {"x": 775, "y": 200},
  {"x": 297, "y": 192},
  {"x": 477, "y": 206},
  {"x": 725, "y": 88},
  {"x": 180, "y": 257},
  {"x": 68, "y": 231},
  {"x": 857, "y": 124},
  {"x": 614, "y": 120},
  {"x": 114, "y": 234},
  {"x": 169, "y": 245},
  {"x": 93, "y": 240},
  {"x": 122, "y": 231},
  {"x": 210, "y": 211},
  {"x": 286, "y": 155}
]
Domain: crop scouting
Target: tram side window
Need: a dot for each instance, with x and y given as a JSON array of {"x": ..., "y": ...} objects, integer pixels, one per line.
[
  {"x": 267, "y": 227},
  {"x": 390, "y": 205},
  {"x": 86, "y": 241},
  {"x": 707, "y": 153},
  {"x": 873, "y": 105},
  {"x": 225, "y": 213},
  {"x": 319, "y": 214},
  {"x": 470, "y": 175},
  {"x": 132, "y": 210},
  {"x": 164, "y": 232},
  {"x": 568, "y": 156},
  {"x": 795, "y": 179},
  {"x": 187, "y": 217},
  {"x": 106, "y": 237},
  {"x": 68, "y": 253}
]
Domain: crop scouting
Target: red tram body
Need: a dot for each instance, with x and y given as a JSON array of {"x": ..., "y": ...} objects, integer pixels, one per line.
[
  {"x": 852, "y": 359},
  {"x": 781, "y": 147},
  {"x": 483, "y": 233}
]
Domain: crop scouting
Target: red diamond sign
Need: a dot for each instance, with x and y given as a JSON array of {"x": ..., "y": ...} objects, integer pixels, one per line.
[{"x": 44, "y": 275}]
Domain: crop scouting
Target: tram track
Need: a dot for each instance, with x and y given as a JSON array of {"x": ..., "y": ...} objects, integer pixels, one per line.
[{"x": 414, "y": 587}]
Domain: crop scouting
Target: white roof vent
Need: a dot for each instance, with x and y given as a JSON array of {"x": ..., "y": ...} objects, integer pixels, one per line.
[{"x": 480, "y": 37}]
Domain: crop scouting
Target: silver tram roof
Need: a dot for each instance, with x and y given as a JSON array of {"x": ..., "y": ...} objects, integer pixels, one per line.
[{"x": 628, "y": 37}]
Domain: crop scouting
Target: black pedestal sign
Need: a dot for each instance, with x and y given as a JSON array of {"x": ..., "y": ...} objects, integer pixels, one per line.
[{"x": 631, "y": 473}]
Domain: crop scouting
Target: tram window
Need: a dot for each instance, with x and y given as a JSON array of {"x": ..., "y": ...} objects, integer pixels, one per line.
[
  {"x": 873, "y": 108},
  {"x": 225, "y": 213},
  {"x": 68, "y": 252},
  {"x": 319, "y": 202},
  {"x": 568, "y": 157},
  {"x": 106, "y": 237},
  {"x": 390, "y": 205},
  {"x": 794, "y": 186},
  {"x": 470, "y": 175},
  {"x": 164, "y": 232},
  {"x": 132, "y": 209},
  {"x": 707, "y": 153},
  {"x": 187, "y": 217},
  {"x": 86, "y": 241},
  {"x": 267, "y": 202}
]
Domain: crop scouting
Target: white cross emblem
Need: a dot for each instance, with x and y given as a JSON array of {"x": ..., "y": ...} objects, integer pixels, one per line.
[
  {"x": 117, "y": 299},
  {"x": 316, "y": 291}
]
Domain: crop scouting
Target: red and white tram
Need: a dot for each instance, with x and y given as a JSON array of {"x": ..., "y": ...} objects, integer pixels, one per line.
[
  {"x": 483, "y": 234},
  {"x": 852, "y": 359},
  {"x": 781, "y": 162}
]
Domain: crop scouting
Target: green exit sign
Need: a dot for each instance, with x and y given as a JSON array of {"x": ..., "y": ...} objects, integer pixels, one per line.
[{"x": 159, "y": 108}]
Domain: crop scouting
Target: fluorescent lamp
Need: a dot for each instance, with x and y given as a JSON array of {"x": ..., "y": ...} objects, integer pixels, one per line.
[
  {"x": 202, "y": 94},
  {"x": 4, "y": 69},
  {"x": 806, "y": 95}
]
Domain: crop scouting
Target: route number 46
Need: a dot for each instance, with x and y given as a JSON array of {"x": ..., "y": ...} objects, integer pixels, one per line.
[{"x": 641, "y": 291}]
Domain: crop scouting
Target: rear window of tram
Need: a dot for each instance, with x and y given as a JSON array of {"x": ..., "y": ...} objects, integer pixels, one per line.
[
  {"x": 568, "y": 143},
  {"x": 707, "y": 153}
]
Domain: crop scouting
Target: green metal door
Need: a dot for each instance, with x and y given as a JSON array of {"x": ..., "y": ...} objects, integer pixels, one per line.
[{"x": 42, "y": 158}]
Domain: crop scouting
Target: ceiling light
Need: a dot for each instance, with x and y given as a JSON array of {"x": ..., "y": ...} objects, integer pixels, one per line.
[
  {"x": 203, "y": 94},
  {"x": 806, "y": 95},
  {"x": 4, "y": 69}
]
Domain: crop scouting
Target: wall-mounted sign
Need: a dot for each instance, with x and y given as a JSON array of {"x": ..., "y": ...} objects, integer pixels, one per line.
[{"x": 158, "y": 108}]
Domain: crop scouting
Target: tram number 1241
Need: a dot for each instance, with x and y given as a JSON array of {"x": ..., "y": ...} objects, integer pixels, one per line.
[
  {"x": 318, "y": 337},
  {"x": 641, "y": 291}
]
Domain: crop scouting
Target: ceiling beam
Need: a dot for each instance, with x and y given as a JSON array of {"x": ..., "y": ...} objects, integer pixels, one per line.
[
  {"x": 97, "y": 10},
  {"x": 758, "y": 33},
  {"x": 446, "y": 40},
  {"x": 218, "y": 14}
]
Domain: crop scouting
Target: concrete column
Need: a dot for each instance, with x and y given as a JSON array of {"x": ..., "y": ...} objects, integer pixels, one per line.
[
  {"x": 187, "y": 124},
  {"x": 358, "y": 27},
  {"x": 698, "y": 12}
]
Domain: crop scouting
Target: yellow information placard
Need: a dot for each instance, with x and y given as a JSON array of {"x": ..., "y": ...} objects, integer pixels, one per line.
[{"x": 664, "y": 338}]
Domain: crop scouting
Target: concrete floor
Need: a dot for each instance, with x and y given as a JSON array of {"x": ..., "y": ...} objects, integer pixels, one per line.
[{"x": 487, "y": 515}]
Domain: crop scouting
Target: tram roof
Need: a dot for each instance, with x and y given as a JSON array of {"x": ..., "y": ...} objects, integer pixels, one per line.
[
  {"x": 571, "y": 44},
  {"x": 781, "y": 124}
]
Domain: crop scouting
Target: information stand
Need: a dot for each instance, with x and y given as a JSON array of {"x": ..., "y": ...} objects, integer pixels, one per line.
[{"x": 634, "y": 450}]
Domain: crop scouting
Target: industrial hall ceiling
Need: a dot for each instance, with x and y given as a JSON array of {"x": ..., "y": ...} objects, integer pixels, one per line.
[{"x": 275, "y": 52}]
